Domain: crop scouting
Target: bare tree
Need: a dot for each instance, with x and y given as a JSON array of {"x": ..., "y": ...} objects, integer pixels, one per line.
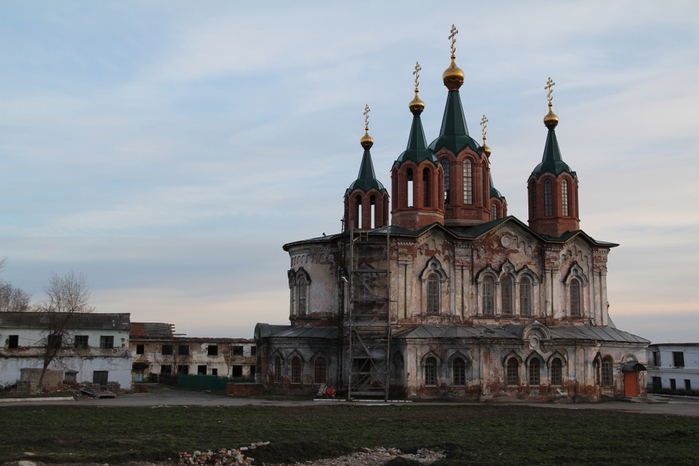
[
  {"x": 12, "y": 299},
  {"x": 67, "y": 296}
]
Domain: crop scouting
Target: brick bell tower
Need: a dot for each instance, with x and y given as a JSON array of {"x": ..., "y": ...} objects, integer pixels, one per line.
[
  {"x": 366, "y": 199},
  {"x": 417, "y": 176},
  {"x": 553, "y": 186}
]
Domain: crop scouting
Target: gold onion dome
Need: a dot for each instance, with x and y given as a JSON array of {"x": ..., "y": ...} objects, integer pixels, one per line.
[
  {"x": 486, "y": 149},
  {"x": 367, "y": 141},
  {"x": 453, "y": 76},
  {"x": 551, "y": 119},
  {"x": 416, "y": 105}
]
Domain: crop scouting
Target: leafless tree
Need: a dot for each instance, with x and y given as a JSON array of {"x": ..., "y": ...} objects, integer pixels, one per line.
[
  {"x": 12, "y": 299},
  {"x": 66, "y": 296}
]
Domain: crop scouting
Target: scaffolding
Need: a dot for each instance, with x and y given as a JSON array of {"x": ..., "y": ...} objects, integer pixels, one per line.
[{"x": 368, "y": 316}]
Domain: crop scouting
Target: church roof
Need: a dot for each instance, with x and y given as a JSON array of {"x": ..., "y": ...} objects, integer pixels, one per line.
[
  {"x": 417, "y": 150},
  {"x": 552, "y": 162},
  {"x": 366, "y": 179},
  {"x": 494, "y": 192},
  {"x": 558, "y": 332},
  {"x": 454, "y": 133}
]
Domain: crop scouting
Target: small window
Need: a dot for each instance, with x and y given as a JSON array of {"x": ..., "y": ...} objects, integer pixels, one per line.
[
  {"x": 253, "y": 350},
  {"x": 100, "y": 378},
  {"x": 607, "y": 372},
  {"x": 212, "y": 350},
  {"x": 534, "y": 372},
  {"x": 237, "y": 371},
  {"x": 70, "y": 376},
  {"x": 183, "y": 350},
  {"x": 459, "y": 372},
  {"x": 237, "y": 351},
  {"x": 556, "y": 372},
  {"x": 184, "y": 370},
  {"x": 201, "y": 369},
  {"x": 140, "y": 349},
  {"x": 320, "y": 372},
  {"x": 678, "y": 358},
  {"x": 166, "y": 369},
  {"x": 166, "y": 350},
  {"x": 81, "y": 341},
  {"x": 214, "y": 372},
  {"x": 106, "y": 342},
  {"x": 54, "y": 341},
  {"x": 13, "y": 342},
  {"x": 512, "y": 371},
  {"x": 430, "y": 372},
  {"x": 673, "y": 385},
  {"x": 296, "y": 370}
]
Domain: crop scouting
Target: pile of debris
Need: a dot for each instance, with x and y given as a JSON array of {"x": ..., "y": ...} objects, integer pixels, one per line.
[{"x": 231, "y": 457}]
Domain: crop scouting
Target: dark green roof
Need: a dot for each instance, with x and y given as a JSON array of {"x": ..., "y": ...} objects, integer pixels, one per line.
[
  {"x": 552, "y": 162},
  {"x": 366, "y": 179},
  {"x": 417, "y": 150},
  {"x": 454, "y": 133},
  {"x": 494, "y": 192}
]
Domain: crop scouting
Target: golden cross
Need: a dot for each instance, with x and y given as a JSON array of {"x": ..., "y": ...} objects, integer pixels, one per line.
[
  {"x": 549, "y": 86},
  {"x": 484, "y": 120},
  {"x": 417, "y": 75},
  {"x": 366, "y": 117},
  {"x": 452, "y": 37}
]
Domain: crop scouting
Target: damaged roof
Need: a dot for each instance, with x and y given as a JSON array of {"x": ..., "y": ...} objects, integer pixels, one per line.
[
  {"x": 82, "y": 321},
  {"x": 152, "y": 330}
]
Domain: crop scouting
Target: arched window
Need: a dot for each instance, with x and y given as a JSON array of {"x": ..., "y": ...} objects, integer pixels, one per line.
[
  {"x": 532, "y": 187},
  {"x": 302, "y": 287},
  {"x": 512, "y": 371},
  {"x": 277, "y": 369},
  {"x": 556, "y": 372},
  {"x": 488, "y": 286},
  {"x": 607, "y": 372},
  {"x": 525, "y": 297},
  {"x": 296, "y": 370},
  {"x": 426, "y": 187},
  {"x": 459, "y": 372},
  {"x": 320, "y": 370},
  {"x": 359, "y": 212},
  {"x": 445, "y": 164},
  {"x": 409, "y": 188},
  {"x": 575, "y": 298},
  {"x": 468, "y": 182},
  {"x": 534, "y": 372},
  {"x": 494, "y": 211},
  {"x": 431, "y": 372},
  {"x": 292, "y": 292},
  {"x": 548, "y": 201},
  {"x": 564, "y": 198},
  {"x": 506, "y": 295},
  {"x": 433, "y": 294}
]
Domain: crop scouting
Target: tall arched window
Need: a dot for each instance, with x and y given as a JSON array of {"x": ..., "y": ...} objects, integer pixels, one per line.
[
  {"x": 534, "y": 372},
  {"x": 564, "y": 198},
  {"x": 292, "y": 292},
  {"x": 533, "y": 199},
  {"x": 445, "y": 164},
  {"x": 302, "y": 287},
  {"x": 277, "y": 369},
  {"x": 575, "y": 298},
  {"x": 506, "y": 295},
  {"x": 556, "y": 372},
  {"x": 459, "y": 372},
  {"x": 548, "y": 201},
  {"x": 494, "y": 211},
  {"x": 433, "y": 294},
  {"x": 359, "y": 212},
  {"x": 525, "y": 297},
  {"x": 409, "y": 188},
  {"x": 512, "y": 371},
  {"x": 296, "y": 370},
  {"x": 320, "y": 370},
  {"x": 607, "y": 372},
  {"x": 431, "y": 372},
  {"x": 488, "y": 286},
  {"x": 468, "y": 182},
  {"x": 426, "y": 187}
]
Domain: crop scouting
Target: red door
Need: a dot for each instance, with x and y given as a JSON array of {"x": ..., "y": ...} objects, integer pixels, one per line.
[{"x": 630, "y": 383}]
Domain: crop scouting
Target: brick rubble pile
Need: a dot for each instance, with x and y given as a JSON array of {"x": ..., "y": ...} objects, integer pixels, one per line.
[{"x": 234, "y": 456}]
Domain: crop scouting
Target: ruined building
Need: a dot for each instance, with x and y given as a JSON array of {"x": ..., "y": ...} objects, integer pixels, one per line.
[{"x": 451, "y": 297}]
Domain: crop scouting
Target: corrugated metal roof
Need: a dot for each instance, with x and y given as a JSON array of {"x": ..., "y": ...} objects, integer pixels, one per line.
[{"x": 86, "y": 321}]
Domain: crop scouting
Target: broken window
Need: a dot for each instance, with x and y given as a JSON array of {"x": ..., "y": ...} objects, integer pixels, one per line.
[
  {"x": 183, "y": 350},
  {"x": 512, "y": 371},
  {"x": 656, "y": 358},
  {"x": 433, "y": 294},
  {"x": 534, "y": 372},
  {"x": 70, "y": 376},
  {"x": 237, "y": 351},
  {"x": 252, "y": 372},
  {"x": 430, "y": 372},
  {"x": 214, "y": 372},
  {"x": 201, "y": 370},
  {"x": 320, "y": 372},
  {"x": 678, "y": 358},
  {"x": 575, "y": 298},
  {"x": 212, "y": 350},
  {"x": 459, "y": 372},
  {"x": 607, "y": 372},
  {"x": 81, "y": 341},
  {"x": 106, "y": 342},
  {"x": 237, "y": 371},
  {"x": 296, "y": 370},
  {"x": 506, "y": 294},
  {"x": 183, "y": 369},
  {"x": 100, "y": 378},
  {"x": 488, "y": 295},
  {"x": 673, "y": 385},
  {"x": 13, "y": 342},
  {"x": 687, "y": 385},
  {"x": 556, "y": 372},
  {"x": 166, "y": 350},
  {"x": 166, "y": 369},
  {"x": 525, "y": 297},
  {"x": 54, "y": 341},
  {"x": 253, "y": 350},
  {"x": 277, "y": 369},
  {"x": 140, "y": 349}
]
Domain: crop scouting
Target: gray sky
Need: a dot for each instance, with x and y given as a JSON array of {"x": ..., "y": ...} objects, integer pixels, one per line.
[{"x": 166, "y": 150}]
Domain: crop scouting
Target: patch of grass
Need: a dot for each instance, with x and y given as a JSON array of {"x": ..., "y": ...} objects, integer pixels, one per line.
[{"x": 470, "y": 434}]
